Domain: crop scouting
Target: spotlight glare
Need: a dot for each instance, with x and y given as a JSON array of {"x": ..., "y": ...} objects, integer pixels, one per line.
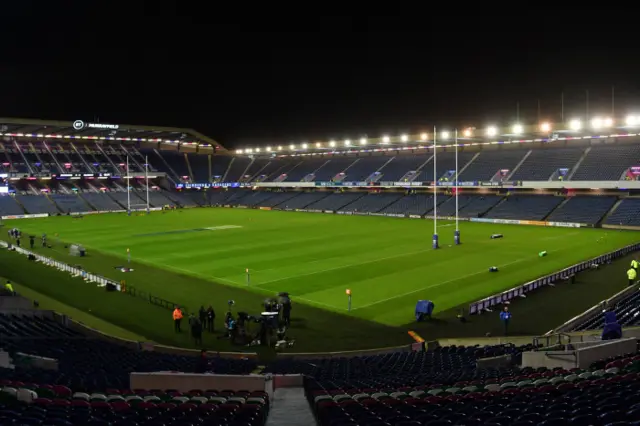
[
  {"x": 304, "y": 146},
  {"x": 318, "y": 145},
  {"x": 386, "y": 139},
  {"x": 597, "y": 123},
  {"x": 545, "y": 127},
  {"x": 575, "y": 124},
  {"x": 423, "y": 137},
  {"x": 347, "y": 142},
  {"x": 467, "y": 133},
  {"x": 445, "y": 135},
  {"x": 257, "y": 149},
  {"x": 279, "y": 148},
  {"x": 404, "y": 138},
  {"x": 332, "y": 144},
  {"x": 292, "y": 147},
  {"x": 492, "y": 131},
  {"x": 268, "y": 149},
  {"x": 363, "y": 141},
  {"x": 632, "y": 120},
  {"x": 517, "y": 129},
  {"x": 238, "y": 151}
]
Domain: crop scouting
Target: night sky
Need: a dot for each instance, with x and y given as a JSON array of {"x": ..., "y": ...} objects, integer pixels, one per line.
[{"x": 343, "y": 77}]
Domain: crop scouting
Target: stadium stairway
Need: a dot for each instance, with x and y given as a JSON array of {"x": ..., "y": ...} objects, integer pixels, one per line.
[
  {"x": 115, "y": 200},
  {"x": 577, "y": 166},
  {"x": 186, "y": 160},
  {"x": 515, "y": 169},
  {"x": 92, "y": 207},
  {"x": 559, "y": 206},
  {"x": 495, "y": 206},
  {"x": 610, "y": 212},
  {"x": 289, "y": 407},
  {"x": 54, "y": 203}
]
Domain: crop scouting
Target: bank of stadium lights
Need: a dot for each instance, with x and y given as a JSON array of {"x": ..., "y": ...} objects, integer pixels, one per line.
[
  {"x": 517, "y": 129},
  {"x": 404, "y": 138},
  {"x": 268, "y": 149},
  {"x": 363, "y": 141},
  {"x": 545, "y": 127},
  {"x": 292, "y": 147},
  {"x": 467, "y": 133},
  {"x": 318, "y": 145},
  {"x": 332, "y": 144},
  {"x": 424, "y": 137},
  {"x": 257, "y": 149},
  {"x": 600, "y": 123},
  {"x": 386, "y": 140},
  {"x": 347, "y": 142},
  {"x": 279, "y": 148},
  {"x": 492, "y": 131},
  {"x": 305, "y": 146},
  {"x": 632, "y": 120},
  {"x": 444, "y": 135},
  {"x": 238, "y": 151}
]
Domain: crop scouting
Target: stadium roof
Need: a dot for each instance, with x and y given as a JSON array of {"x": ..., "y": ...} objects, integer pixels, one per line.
[
  {"x": 597, "y": 127},
  {"x": 84, "y": 130}
]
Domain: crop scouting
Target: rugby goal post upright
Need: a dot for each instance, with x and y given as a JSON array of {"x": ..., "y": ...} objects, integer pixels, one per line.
[
  {"x": 146, "y": 176},
  {"x": 128, "y": 179},
  {"x": 456, "y": 233},
  {"x": 435, "y": 193}
]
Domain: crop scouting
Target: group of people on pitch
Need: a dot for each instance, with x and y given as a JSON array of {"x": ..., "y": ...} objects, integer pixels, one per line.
[{"x": 205, "y": 320}]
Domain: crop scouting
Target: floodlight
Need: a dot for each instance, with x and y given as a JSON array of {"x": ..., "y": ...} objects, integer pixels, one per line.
[
  {"x": 575, "y": 125},
  {"x": 238, "y": 151},
  {"x": 347, "y": 142},
  {"x": 608, "y": 122},
  {"x": 332, "y": 144},
  {"x": 404, "y": 138},
  {"x": 279, "y": 148},
  {"x": 423, "y": 137},
  {"x": 597, "y": 123},
  {"x": 545, "y": 127},
  {"x": 492, "y": 131},
  {"x": 318, "y": 145},
  {"x": 363, "y": 141},
  {"x": 632, "y": 120},
  {"x": 445, "y": 135},
  {"x": 249, "y": 151},
  {"x": 292, "y": 147},
  {"x": 467, "y": 133},
  {"x": 257, "y": 149},
  {"x": 386, "y": 139},
  {"x": 268, "y": 149},
  {"x": 517, "y": 129},
  {"x": 305, "y": 146}
]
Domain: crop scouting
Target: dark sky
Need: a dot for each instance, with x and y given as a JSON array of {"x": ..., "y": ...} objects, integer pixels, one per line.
[{"x": 330, "y": 78}]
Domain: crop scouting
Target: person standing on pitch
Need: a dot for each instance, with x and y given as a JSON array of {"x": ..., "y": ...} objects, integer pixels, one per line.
[
  {"x": 632, "y": 275},
  {"x": 177, "y": 319},
  {"x": 635, "y": 264},
  {"x": 211, "y": 316},
  {"x": 505, "y": 317}
]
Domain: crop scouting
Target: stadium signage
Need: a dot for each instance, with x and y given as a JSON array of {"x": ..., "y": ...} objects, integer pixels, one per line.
[
  {"x": 407, "y": 184},
  {"x": 79, "y": 125}
]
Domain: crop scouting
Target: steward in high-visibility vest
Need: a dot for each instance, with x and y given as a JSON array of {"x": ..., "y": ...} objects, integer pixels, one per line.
[
  {"x": 632, "y": 274},
  {"x": 635, "y": 264},
  {"x": 177, "y": 319},
  {"x": 8, "y": 287}
]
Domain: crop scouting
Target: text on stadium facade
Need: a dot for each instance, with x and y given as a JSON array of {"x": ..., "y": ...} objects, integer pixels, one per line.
[{"x": 79, "y": 125}]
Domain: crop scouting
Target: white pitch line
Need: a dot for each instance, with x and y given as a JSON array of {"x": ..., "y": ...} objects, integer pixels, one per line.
[
  {"x": 436, "y": 285},
  {"x": 344, "y": 266}
]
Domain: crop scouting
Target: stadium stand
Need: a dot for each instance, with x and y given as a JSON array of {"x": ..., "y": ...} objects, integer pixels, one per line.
[
  {"x": 331, "y": 169},
  {"x": 371, "y": 203},
  {"x": 236, "y": 169},
  {"x": 8, "y": 206},
  {"x": 627, "y": 213},
  {"x": 627, "y": 312},
  {"x": 277, "y": 198},
  {"x": 305, "y": 168},
  {"x": 541, "y": 164},
  {"x": 583, "y": 209},
  {"x": 607, "y": 162},
  {"x": 445, "y": 166},
  {"x": 487, "y": 165},
  {"x": 199, "y": 165},
  {"x": 525, "y": 207},
  {"x": 101, "y": 202},
  {"x": 365, "y": 167},
  {"x": 415, "y": 204},
  {"x": 335, "y": 201},
  {"x": 303, "y": 200},
  {"x": 37, "y": 204},
  {"x": 479, "y": 205},
  {"x": 70, "y": 203}
]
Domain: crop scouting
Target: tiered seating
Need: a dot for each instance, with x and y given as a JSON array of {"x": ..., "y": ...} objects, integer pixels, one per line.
[
  {"x": 627, "y": 213},
  {"x": 627, "y": 313},
  {"x": 186, "y": 199},
  {"x": 479, "y": 205},
  {"x": 488, "y": 163},
  {"x": 200, "y": 167},
  {"x": 255, "y": 166},
  {"x": 37, "y": 204},
  {"x": 303, "y": 200},
  {"x": 448, "y": 208},
  {"x": 335, "y": 201},
  {"x": 101, "y": 201},
  {"x": 255, "y": 198},
  {"x": 371, "y": 203},
  {"x": 415, "y": 204},
  {"x": 87, "y": 364},
  {"x": 176, "y": 161},
  {"x": 333, "y": 167},
  {"x": 59, "y": 405},
  {"x": 581, "y": 209},
  {"x": 401, "y": 165},
  {"x": 303, "y": 168},
  {"x": 270, "y": 171},
  {"x": 608, "y": 162},
  {"x": 542, "y": 163},
  {"x": 219, "y": 166},
  {"x": 445, "y": 162},
  {"x": 70, "y": 203},
  {"x": 236, "y": 169},
  {"x": 8, "y": 206},
  {"x": 214, "y": 198},
  {"x": 277, "y": 198},
  {"x": 525, "y": 397},
  {"x": 363, "y": 168},
  {"x": 525, "y": 207}
]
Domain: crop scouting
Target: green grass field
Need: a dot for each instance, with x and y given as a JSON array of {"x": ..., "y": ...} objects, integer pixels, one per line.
[{"x": 188, "y": 256}]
